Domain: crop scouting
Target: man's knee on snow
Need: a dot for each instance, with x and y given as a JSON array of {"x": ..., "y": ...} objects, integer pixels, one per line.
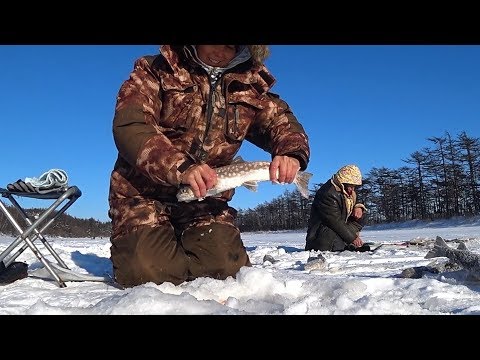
[
  {"x": 216, "y": 250},
  {"x": 149, "y": 254}
]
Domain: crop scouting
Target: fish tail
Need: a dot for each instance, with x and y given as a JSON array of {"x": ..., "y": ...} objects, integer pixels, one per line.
[
  {"x": 440, "y": 248},
  {"x": 301, "y": 180}
]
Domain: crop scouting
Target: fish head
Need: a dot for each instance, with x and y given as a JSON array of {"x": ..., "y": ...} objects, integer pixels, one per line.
[{"x": 185, "y": 194}]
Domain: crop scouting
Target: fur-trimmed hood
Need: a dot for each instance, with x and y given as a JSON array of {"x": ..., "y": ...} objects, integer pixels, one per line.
[{"x": 259, "y": 53}]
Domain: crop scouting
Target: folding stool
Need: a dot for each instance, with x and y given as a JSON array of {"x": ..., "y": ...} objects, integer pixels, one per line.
[{"x": 36, "y": 227}]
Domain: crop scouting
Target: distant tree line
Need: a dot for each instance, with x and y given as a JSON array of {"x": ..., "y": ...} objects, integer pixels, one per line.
[
  {"x": 65, "y": 226},
  {"x": 288, "y": 212},
  {"x": 439, "y": 181}
]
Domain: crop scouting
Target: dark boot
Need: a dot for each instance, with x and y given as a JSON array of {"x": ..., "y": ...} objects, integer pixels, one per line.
[{"x": 15, "y": 271}]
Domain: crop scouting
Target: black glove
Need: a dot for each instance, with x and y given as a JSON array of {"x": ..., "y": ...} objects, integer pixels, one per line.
[{"x": 363, "y": 248}]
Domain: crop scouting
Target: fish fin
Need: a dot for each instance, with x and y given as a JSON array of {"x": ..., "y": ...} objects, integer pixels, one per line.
[
  {"x": 301, "y": 180},
  {"x": 251, "y": 185},
  {"x": 462, "y": 246},
  {"x": 439, "y": 249},
  {"x": 237, "y": 160}
]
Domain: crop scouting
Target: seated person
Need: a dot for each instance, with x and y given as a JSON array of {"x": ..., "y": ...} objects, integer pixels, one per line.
[{"x": 336, "y": 218}]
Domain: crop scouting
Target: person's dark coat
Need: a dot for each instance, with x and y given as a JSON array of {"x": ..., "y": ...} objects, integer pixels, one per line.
[{"x": 328, "y": 228}]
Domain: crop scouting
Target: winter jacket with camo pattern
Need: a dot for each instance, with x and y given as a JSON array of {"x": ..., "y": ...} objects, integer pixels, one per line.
[{"x": 169, "y": 116}]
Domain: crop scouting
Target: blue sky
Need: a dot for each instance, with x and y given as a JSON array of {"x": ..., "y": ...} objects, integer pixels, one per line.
[{"x": 371, "y": 105}]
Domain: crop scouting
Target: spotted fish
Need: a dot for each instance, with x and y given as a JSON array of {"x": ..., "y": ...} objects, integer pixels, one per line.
[{"x": 243, "y": 173}]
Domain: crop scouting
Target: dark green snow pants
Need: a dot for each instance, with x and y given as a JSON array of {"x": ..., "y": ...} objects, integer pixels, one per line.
[{"x": 190, "y": 245}]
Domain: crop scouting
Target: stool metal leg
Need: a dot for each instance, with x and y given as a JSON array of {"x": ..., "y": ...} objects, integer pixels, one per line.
[
  {"x": 24, "y": 237},
  {"x": 39, "y": 233},
  {"x": 33, "y": 230}
]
